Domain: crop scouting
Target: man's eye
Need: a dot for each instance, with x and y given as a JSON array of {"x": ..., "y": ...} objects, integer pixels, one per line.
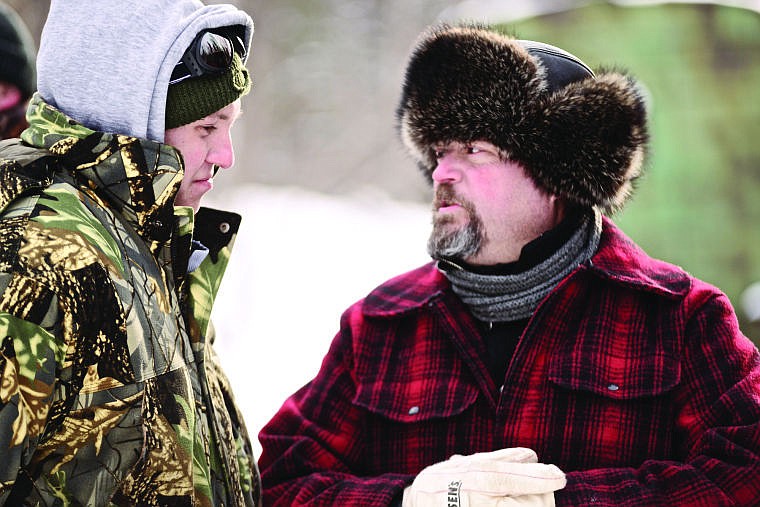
[
  {"x": 438, "y": 153},
  {"x": 471, "y": 150}
]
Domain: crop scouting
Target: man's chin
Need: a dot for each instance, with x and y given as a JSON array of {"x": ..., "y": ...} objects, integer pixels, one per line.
[{"x": 450, "y": 240}]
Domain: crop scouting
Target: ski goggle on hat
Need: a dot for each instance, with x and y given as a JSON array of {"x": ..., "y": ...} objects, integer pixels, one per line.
[
  {"x": 210, "y": 53},
  {"x": 210, "y": 75}
]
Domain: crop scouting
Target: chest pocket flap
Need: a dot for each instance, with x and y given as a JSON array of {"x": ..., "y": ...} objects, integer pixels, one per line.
[
  {"x": 414, "y": 379},
  {"x": 414, "y": 399},
  {"x": 616, "y": 368}
]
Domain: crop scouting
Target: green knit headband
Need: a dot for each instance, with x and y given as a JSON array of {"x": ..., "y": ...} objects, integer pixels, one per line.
[{"x": 196, "y": 98}]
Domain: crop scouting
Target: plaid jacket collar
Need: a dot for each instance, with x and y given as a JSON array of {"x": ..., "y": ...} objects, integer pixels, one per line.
[{"x": 618, "y": 259}]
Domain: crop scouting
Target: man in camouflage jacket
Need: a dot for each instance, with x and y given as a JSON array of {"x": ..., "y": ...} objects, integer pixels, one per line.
[{"x": 110, "y": 390}]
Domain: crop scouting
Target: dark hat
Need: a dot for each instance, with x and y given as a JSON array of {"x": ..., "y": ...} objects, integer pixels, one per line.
[
  {"x": 17, "y": 52},
  {"x": 580, "y": 136},
  {"x": 198, "y": 97}
]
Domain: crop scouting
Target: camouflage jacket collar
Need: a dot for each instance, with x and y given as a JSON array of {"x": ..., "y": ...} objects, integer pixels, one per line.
[{"x": 137, "y": 177}]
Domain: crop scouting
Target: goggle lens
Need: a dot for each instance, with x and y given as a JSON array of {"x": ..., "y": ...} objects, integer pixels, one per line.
[
  {"x": 209, "y": 53},
  {"x": 214, "y": 52}
]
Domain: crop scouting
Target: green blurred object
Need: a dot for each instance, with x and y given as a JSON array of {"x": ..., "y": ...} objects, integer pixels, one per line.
[{"x": 698, "y": 204}]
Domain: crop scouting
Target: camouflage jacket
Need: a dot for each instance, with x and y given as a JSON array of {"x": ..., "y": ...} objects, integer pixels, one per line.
[{"x": 110, "y": 390}]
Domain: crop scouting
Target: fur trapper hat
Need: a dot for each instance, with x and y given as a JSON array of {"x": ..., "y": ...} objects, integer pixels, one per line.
[{"x": 579, "y": 136}]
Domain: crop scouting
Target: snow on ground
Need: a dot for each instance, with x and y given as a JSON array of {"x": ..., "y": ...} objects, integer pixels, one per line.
[{"x": 300, "y": 259}]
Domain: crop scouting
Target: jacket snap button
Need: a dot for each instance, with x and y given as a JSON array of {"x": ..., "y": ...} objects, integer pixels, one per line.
[
  {"x": 224, "y": 227},
  {"x": 414, "y": 410},
  {"x": 613, "y": 387}
]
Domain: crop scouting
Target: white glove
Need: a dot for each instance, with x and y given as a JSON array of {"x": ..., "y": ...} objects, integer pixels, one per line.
[{"x": 505, "y": 478}]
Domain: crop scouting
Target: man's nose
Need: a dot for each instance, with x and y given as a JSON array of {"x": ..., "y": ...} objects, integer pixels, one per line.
[
  {"x": 222, "y": 153},
  {"x": 447, "y": 169}
]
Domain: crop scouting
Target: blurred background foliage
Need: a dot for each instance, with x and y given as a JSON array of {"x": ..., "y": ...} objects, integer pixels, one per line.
[{"x": 327, "y": 75}]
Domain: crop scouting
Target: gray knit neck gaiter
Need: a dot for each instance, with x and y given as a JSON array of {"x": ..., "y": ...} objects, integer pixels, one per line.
[{"x": 504, "y": 298}]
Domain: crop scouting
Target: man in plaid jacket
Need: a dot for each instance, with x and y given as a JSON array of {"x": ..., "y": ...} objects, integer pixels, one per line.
[{"x": 542, "y": 358}]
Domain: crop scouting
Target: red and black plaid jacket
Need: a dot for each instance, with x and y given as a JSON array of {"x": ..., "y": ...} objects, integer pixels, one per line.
[{"x": 631, "y": 376}]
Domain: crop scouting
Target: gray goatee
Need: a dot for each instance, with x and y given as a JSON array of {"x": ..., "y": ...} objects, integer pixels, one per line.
[{"x": 448, "y": 242}]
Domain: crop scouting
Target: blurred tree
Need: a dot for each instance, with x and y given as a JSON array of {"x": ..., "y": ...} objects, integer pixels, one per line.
[{"x": 327, "y": 75}]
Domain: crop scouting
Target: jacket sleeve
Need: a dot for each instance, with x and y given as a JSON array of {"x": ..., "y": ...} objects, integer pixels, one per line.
[
  {"x": 718, "y": 422},
  {"x": 312, "y": 449},
  {"x": 29, "y": 357}
]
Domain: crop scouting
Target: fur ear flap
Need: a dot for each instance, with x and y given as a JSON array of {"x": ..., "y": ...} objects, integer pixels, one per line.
[{"x": 588, "y": 140}]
